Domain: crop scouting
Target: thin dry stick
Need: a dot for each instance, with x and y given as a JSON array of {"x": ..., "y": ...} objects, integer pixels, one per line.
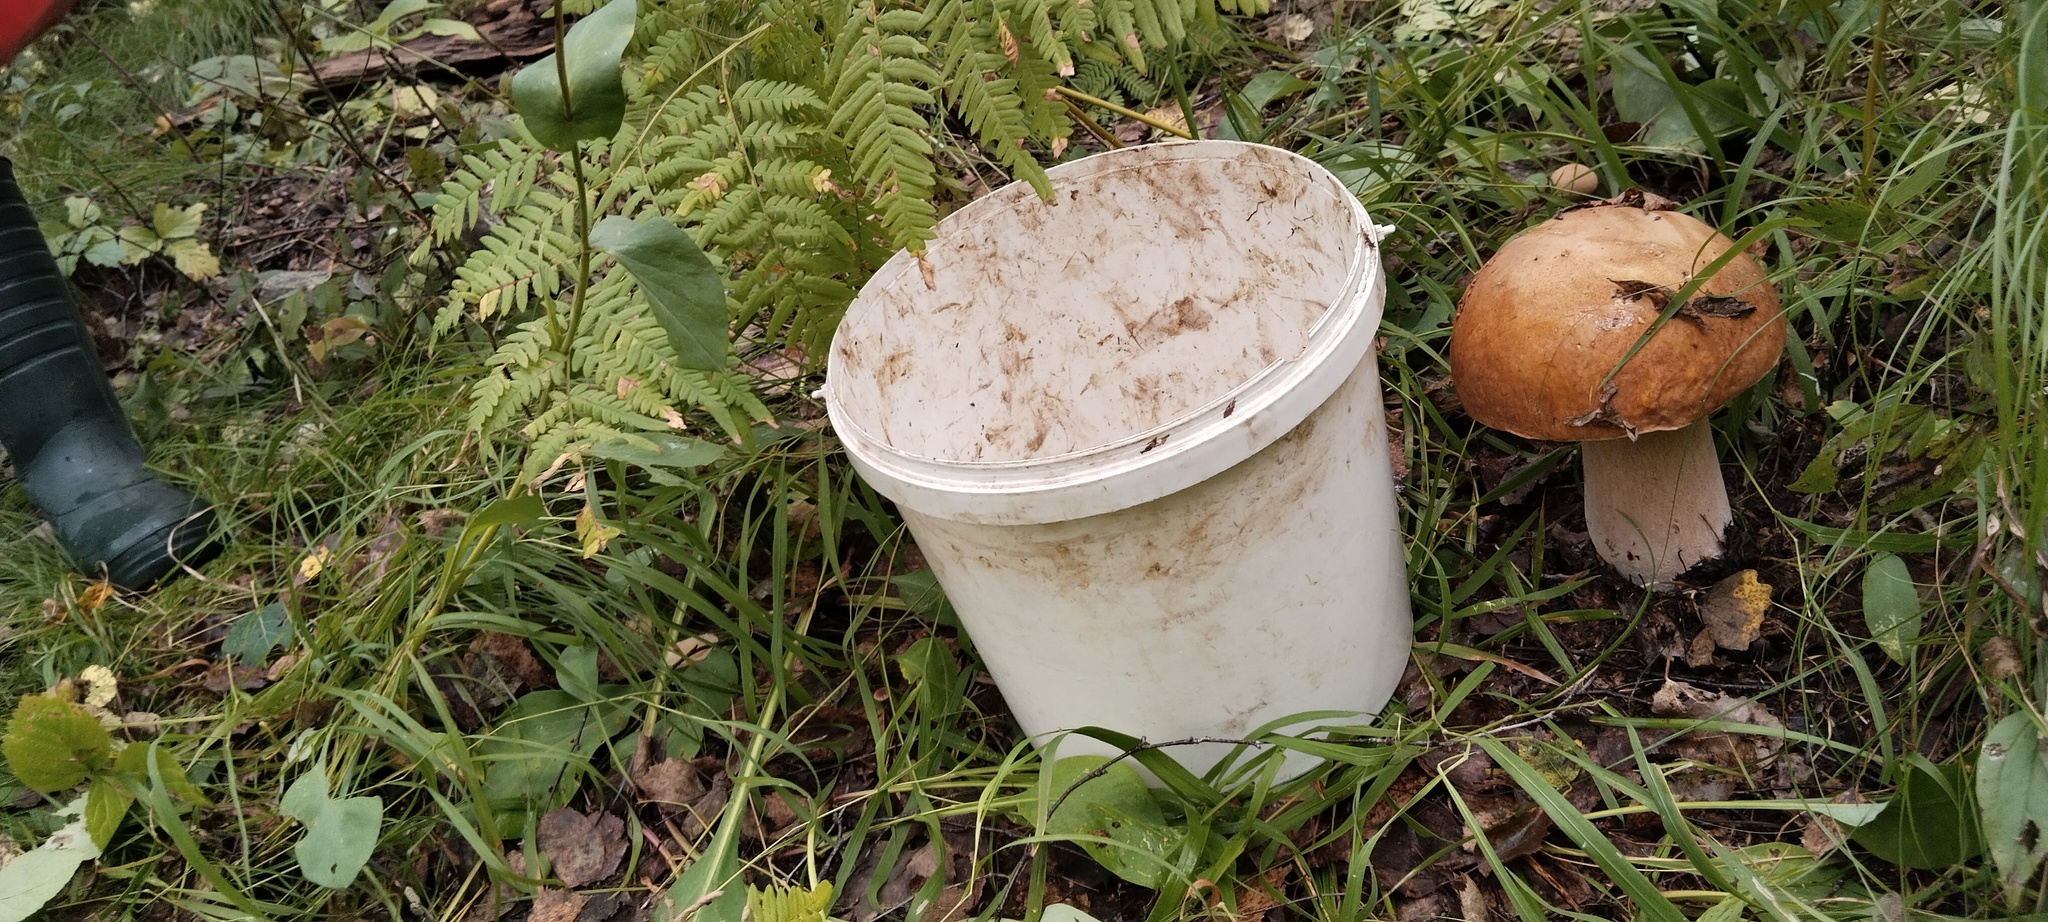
[{"x": 1168, "y": 127}]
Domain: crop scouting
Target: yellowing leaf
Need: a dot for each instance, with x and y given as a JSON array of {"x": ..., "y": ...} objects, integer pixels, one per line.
[
  {"x": 81, "y": 212},
  {"x": 593, "y": 533},
  {"x": 95, "y": 596},
  {"x": 100, "y": 685},
  {"x": 178, "y": 223},
  {"x": 337, "y": 333},
  {"x": 137, "y": 243},
  {"x": 413, "y": 103},
  {"x": 711, "y": 184},
  {"x": 193, "y": 259},
  {"x": 314, "y": 562}
]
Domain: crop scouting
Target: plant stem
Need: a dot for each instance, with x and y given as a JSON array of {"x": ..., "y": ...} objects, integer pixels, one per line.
[
  {"x": 562, "y": 67},
  {"x": 1175, "y": 130},
  {"x": 1871, "y": 75},
  {"x": 566, "y": 341}
]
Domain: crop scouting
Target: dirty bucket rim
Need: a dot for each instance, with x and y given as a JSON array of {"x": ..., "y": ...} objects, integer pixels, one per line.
[
  {"x": 1162, "y": 459},
  {"x": 1256, "y": 381}
]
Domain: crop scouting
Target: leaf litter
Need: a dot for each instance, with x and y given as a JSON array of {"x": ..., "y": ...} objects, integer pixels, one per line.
[{"x": 581, "y": 848}]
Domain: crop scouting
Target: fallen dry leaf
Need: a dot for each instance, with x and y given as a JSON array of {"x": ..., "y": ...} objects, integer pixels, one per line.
[
  {"x": 557, "y": 906},
  {"x": 2001, "y": 658},
  {"x": 95, "y": 596},
  {"x": 1733, "y": 612},
  {"x": 437, "y": 522},
  {"x": 580, "y": 848},
  {"x": 500, "y": 899},
  {"x": 223, "y": 675},
  {"x": 690, "y": 650},
  {"x": 1290, "y": 28},
  {"x": 683, "y": 786},
  {"x": 961, "y": 892},
  {"x": 378, "y": 554},
  {"x": 1253, "y": 902},
  {"x": 1822, "y": 834},
  {"x": 674, "y": 781},
  {"x": 773, "y": 815},
  {"x": 512, "y": 658},
  {"x": 1678, "y": 699},
  {"x": 1472, "y": 899}
]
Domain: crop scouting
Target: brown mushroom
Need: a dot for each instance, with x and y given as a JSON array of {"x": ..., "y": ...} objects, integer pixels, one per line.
[{"x": 1540, "y": 347}]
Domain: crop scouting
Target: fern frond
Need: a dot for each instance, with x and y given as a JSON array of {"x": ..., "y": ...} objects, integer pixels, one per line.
[
  {"x": 772, "y": 99},
  {"x": 880, "y": 80}
]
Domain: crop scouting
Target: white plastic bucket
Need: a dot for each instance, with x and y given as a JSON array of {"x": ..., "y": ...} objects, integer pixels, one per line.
[{"x": 1138, "y": 434}]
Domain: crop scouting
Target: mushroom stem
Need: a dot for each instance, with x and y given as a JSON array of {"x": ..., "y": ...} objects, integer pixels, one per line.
[{"x": 1657, "y": 505}]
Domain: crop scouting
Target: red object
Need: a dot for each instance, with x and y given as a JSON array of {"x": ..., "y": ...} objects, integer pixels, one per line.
[{"x": 22, "y": 20}]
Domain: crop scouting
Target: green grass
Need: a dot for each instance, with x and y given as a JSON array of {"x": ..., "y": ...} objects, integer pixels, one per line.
[{"x": 817, "y": 667}]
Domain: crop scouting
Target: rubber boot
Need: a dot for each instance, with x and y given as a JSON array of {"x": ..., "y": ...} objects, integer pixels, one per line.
[{"x": 71, "y": 445}]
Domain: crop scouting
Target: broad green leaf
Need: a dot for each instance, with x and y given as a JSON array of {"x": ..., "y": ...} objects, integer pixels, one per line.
[
  {"x": 2032, "y": 27},
  {"x": 104, "y": 249},
  {"x": 2012, "y": 793},
  {"x": 512, "y": 510},
  {"x": 1928, "y": 823},
  {"x": 340, "y": 834},
  {"x": 302, "y": 800},
  {"x": 593, "y": 105},
  {"x": 1271, "y": 85},
  {"x": 52, "y": 744},
  {"x": 576, "y": 671},
  {"x": 922, "y": 594},
  {"x": 539, "y": 740},
  {"x": 1115, "y": 805},
  {"x": 1673, "y": 128},
  {"x": 710, "y": 889},
  {"x": 1729, "y": 909},
  {"x": 674, "y": 452},
  {"x": 1643, "y": 95},
  {"x": 257, "y": 633},
  {"x": 682, "y": 285},
  {"x": 399, "y": 9},
  {"x": 134, "y": 762},
  {"x": 1847, "y": 814},
  {"x": 933, "y": 671},
  {"x": 33, "y": 878},
  {"x": 1640, "y": 93},
  {"x": 1891, "y": 605},
  {"x": 106, "y": 804},
  {"x": 1835, "y": 221},
  {"x": 339, "y": 840},
  {"x": 451, "y": 27}
]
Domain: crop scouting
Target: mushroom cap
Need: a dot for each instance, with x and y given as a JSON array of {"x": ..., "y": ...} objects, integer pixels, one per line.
[{"x": 1555, "y": 310}]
